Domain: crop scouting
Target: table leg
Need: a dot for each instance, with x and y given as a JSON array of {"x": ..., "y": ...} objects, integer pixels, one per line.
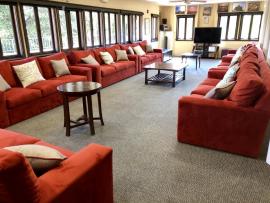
[
  {"x": 90, "y": 114},
  {"x": 146, "y": 76},
  {"x": 199, "y": 62},
  {"x": 66, "y": 115},
  {"x": 158, "y": 72},
  {"x": 173, "y": 83},
  {"x": 84, "y": 108},
  {"x": 184, "y": 73},
  {"x": 100, "y": 108},
  {"x": 196, "y": 63}
]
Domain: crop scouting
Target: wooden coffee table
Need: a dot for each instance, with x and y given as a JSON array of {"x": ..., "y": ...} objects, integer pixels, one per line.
[
  {"x": 192, "y": 55},
  {"x": 85, "y": 90},
  {"x": 178, "y": 72}
]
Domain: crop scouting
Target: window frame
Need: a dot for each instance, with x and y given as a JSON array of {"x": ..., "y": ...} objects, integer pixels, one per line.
[
  {"x": 122, "y": 31},
  {"x": 156, "y": 17},
  {"x": 109, "y": 24},
  {"x": 177, "y": 26}
]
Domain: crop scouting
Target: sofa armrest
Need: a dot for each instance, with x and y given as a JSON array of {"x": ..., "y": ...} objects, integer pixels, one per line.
[
  {"x": 226, "y": 59},
  {"x": 220, "y": 124},
  {"x": 232, "y": 51},
  {"x": 134, "y": 57},
  {"x": 157, "y": 50},
  {"x": 4, "y": 119},
  {"x": 217, "y": 73},
  {"x": 86, "y": 176},
  {"x": 96, "y": 71},
  {"x": 77, "y": 70}
]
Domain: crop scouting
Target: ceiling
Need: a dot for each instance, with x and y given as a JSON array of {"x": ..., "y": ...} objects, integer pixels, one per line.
[{"x": 167, "y": 3}]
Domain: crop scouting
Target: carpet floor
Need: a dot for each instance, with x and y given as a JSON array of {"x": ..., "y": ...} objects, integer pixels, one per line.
[{"x": 149, "y": 165}]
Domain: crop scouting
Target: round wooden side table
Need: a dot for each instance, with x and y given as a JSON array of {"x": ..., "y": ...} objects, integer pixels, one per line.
[{"x": 85, "y": 90}]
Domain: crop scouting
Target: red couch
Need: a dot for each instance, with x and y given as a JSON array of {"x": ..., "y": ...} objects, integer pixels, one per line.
[
  {"x": 85, "y": 176},
  {"x": 237, "y": 124},
  {"x": 18, "y": 103},
  {"x": 106, "y": 74}
]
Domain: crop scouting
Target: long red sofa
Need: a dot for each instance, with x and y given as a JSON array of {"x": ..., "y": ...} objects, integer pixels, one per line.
[
  {"x": 18, "y": 103},
  {"x": 235, "y": 125},
  {"x": 85, "y": 176}
]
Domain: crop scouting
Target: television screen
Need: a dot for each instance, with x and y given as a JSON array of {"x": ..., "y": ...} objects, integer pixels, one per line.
[{"x": 210, "y": 35}]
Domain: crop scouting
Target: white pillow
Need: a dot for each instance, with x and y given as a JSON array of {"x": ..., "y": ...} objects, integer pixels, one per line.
[
  {"x": 139, "y": 51},
  {"x": 231, "y": 73},
  {"x": 60, "y": 67},
  {"x": 40, "y": 157},
  {"x": 121, "y": 55},
  {"x": 90, "y": 60},
  {"x": 28, "y": 73},
  {"x": 106, "y": 57},
  {"x": 3, "y": 84},
  {"x": 130, "y": 50},
  {"x": 149, "y": 48}
]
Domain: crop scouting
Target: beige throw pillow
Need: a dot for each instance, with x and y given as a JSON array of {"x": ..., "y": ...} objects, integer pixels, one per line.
[
  {"x": 40, "y": 157},
  {"x": 106, "y": 57},
  {"x": 221, "y": 91},
  {"x": 149, "y": 48},
  {"x": 28, "y": 73},
  {"x": 121, "y": 55},
  {"x": 130, "y": 50},
  {"x": 139, "y": 51},
  {"x": 3, "y": 84},
  {"x": 60, "y": 67},
  {"x": 231, "y": 73},
  {"x": 90, "y": 60}
]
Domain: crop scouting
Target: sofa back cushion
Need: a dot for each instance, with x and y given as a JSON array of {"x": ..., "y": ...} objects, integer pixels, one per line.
[
  {"x": 112, "y": 49},
  {"x": 75, "y": 56},
  {"x": 46, "y": 65},
  {"x": 18, "y": 183},
  {"x": 143, "y": 44},
  {"x": 97, "y": 54},
  {"x": 7, "y": 73}
]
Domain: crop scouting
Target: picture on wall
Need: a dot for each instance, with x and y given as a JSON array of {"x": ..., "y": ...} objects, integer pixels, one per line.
[
  {"x": 224, "y": 7},
  {"x": 206, "y": 19},
  {"x": 207, "y": 11},
  {"x": 192, "y": 9},
  {"x": 254, "y": 6},
  {"x": 240, "y": 6},
  {"x": 180, "y": 9}
]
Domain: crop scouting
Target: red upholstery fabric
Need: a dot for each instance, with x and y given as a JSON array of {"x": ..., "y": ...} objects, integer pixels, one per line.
[
  {"x": 217, "y": 73},
  {"x": 4, "y": 118},
  {"x": 95, "y": 69},
  {"x": 7, "y": 73},
  {"x": 202, "y": 89},
  {"x": 18, "y": 96},
  {"x": 18, "y": 182},
  {"x": 210, "y": 82},
  {"x": 150, "y": 56},
  {"x": 75, "y": 56},
  {"x": 66, "y": 152},
  {"x": 107, "y": 70},
  {"x": 143, "y": 44},
  {"x": 70, "y": 78},
  {"x": 46, "y": 66},
  {"x": 46, "y": 87},
  {"x": 154, "y": 55},
  {"x": 97, "y": 54},
  {"x": 83, "y": 71},
  {"x": 144, "y": 60},
  {"x": 224, "y": 64},
  {"x": 112, "y": 49},
  {"x": 122, "y": 65}
]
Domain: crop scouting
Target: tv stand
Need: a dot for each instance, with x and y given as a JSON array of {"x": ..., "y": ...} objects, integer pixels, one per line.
[{"x": 207, "y": 50}]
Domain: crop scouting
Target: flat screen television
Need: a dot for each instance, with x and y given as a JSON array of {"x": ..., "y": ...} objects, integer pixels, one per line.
[{"x": 210, "y": 35}]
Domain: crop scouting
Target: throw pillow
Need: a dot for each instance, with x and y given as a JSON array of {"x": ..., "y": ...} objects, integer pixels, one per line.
[
  {"x": 106, "y": 57},
  {"x": 28, "y": 73},
  {"x": 121, "y": 55},
  {"x": 130, "y": 50},
  {"x": 231, "y": 73},
  {"x": 3, "y": 84},
  {"x": 149, "y": 48},
  {"x": 41, "y": 158},
  {"x": 90, "y": 60},
  {"x": 221, "y": 91},
  {"x": 139, "y": 51},
  {"x": 60, "y": 67}
]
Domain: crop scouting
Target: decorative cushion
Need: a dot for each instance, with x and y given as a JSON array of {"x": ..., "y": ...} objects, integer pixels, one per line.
[
  {"x": 90, "y": 60},
  {"x": 231, "y": 73},
  {"x": 130, "y": 50},
  {"x": 60, "y": 67},
  {"x": 221, "y": 91},
  {"x": 106, "y": 57},
  {"x": 41, "y": 158},
  {"x": 28, "y": 73},
  {"x": 139, "y": 51},
  {"x": 3, "y": 84},
  {"x": 121, "y": 55},
  {"x": 149, "y": 48}
]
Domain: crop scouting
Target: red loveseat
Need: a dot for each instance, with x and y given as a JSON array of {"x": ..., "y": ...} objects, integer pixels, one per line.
[
  {"x": 18, "y": 103},
  {"x": 148, "y": 58},
  {"x": 85, "y": 176},
  {"x": 237, "y": 124},
  {"x": 105, "y": 74}
]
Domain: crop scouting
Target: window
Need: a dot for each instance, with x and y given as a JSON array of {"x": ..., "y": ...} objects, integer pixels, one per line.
[
  {"x": 96, "y": 30},
  {"x": 240, "y": 26},
  {"x": 135, "y": 28},
  {"x": 38, "y": 28},
  {"x": 9, "y": 46},
  {"x": 185, "y": 27},
  {"x": 92, "y": 28},
  {"x": 124, "y": 31},
  {"x": 154, "y": 27}
]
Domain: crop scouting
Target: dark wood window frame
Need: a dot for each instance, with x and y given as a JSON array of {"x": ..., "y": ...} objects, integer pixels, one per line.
[
  {"x": 156, "y": 17},
  {"x": 122, "y": 30},
  {"x": 239, "y": 24},
  {"x": 109, "y": 27},
  {"x": 177, "y": 27}
]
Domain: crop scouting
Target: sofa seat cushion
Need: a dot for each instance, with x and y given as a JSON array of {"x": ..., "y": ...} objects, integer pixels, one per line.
[
  {"x": 47, "y": 87},
  {"x": 202, "y": 89},
  {"x": 145, "y": 60},
  {"x": 224, "y": 64},
  {"x": 151, "y": 57},
  {"x": 18, "y": 96},
  {"x": 197, "y": 96},
  {"x": 210, "y": 81},
  {"x": 122, "y": 65},
  {"x": 70, "y": 78},
  {"x": 10, "y": 138},
  {"x": 154, "y": 55},
  {"x": 107, "y": 70}
]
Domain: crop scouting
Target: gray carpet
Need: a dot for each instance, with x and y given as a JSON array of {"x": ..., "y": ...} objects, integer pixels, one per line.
[{"x": 149, "y": 164}]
